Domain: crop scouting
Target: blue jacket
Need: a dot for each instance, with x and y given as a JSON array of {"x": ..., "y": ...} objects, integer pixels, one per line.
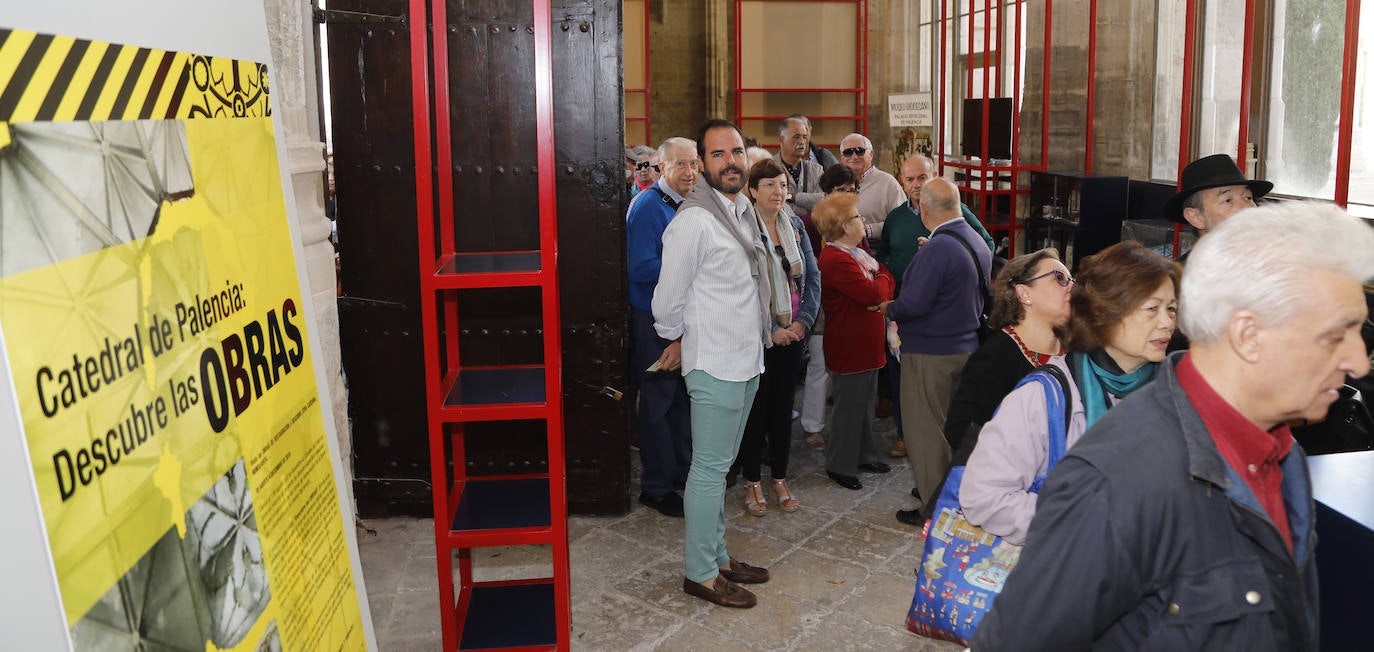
[
  {"x": 937, "y": 310},
  {"x": 1144, "y": 538},
  {"x": 648, "y": 218}
]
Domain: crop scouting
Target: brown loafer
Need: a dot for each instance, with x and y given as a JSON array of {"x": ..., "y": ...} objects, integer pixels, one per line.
[
  {"x": 742, "y": 573},
  {"x": 722, "y": 592}
]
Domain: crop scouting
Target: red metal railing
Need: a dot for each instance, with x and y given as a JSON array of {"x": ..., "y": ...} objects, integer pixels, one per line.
[
  {"x": 644, "y": 90},
  {"x": 860, "y": 92}
]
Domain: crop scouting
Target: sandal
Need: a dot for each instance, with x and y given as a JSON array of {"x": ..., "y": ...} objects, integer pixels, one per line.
[
  {"x": 786, "y": 500},
  {"x": 753, "y": 499}
]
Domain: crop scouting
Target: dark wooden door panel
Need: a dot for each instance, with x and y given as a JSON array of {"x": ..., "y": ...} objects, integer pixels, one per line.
[
  {"x": 379, "y": 317},
  {"x": 588, "y": 130},
  {"x": 494, "y": 174}
]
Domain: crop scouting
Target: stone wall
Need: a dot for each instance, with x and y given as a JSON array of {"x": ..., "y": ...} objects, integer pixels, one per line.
[{"x": 679, "y": 67}]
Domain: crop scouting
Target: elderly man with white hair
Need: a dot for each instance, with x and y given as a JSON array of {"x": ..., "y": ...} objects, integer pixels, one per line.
[
  {"x": 1183, "y": 520},
  {"x": 879, "y": 192},
  {"x": 794, "y": 152}
]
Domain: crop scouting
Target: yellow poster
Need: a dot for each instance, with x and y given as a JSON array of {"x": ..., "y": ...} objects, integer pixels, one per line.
[{"x": 159, "y": 352}]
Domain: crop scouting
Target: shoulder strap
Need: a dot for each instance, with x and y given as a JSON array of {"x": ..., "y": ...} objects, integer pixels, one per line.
[
  {"x": 982, "y": 280},
  {"x": 672, "y": 203},
  {"x": 1058, "y": 411}
]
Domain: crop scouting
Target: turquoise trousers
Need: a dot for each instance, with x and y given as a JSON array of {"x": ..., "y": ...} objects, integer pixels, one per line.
[{"x": 720, "y": 408}]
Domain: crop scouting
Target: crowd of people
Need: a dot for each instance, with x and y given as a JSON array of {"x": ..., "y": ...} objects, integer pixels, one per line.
[{"x": 752, "y": 272}]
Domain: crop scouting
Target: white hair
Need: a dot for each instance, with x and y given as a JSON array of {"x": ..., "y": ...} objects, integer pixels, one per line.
[
  {"x": 756, "y": 154},
  {"x": 868, "y": 144},
  {"x": 675, "y": 141},
  {"x": 799, "y": 119},
  {"x": 1257, "y": 259}
]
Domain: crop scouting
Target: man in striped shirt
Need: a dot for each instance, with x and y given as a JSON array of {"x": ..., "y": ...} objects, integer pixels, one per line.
[{"x": 711, "y": 302}]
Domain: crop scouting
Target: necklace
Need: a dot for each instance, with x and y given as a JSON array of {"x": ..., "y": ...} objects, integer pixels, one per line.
[{"x": 1036, "y": 359}]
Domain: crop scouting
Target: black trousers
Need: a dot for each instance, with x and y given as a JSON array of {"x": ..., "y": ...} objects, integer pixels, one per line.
[{"x": 770, "y": 418}]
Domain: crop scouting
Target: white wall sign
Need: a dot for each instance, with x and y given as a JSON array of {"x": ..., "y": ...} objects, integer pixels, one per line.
[{"x": 909, "y": 110}]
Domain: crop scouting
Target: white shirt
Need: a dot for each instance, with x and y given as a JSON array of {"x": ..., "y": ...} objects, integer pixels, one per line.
[{"x": 706, "y": 294}]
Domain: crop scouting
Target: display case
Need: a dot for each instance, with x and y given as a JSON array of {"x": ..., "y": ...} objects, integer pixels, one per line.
[{"x": 1079, "y": 213}]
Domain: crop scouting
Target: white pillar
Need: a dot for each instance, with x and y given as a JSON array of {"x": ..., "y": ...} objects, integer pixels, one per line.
[{"x": 289, "y": 28}]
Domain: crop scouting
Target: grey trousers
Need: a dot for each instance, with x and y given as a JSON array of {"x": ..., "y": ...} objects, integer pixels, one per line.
[
  {"x": 927, "y": 383},
  {"x": 852, "y": 441}
]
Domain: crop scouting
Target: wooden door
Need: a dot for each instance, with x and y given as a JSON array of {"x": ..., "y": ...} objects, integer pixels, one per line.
[{"x": 491, "y": 91}]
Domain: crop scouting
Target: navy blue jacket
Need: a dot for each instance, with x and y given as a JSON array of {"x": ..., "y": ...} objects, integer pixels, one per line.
[
  {"x": 937, "y": 310},
  {"x": 1144, "y": 538}
]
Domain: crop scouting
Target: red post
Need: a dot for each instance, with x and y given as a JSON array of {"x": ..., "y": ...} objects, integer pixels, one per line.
[
  {"x": 1045, "y": 89},
  {"x": 1347, "y": 121},
  {"x": 1246, "y": 73},
  {"x": 1185, "y": 124}
]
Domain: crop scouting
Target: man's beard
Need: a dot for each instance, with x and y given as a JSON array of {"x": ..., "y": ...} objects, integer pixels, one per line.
[{"x": 717, "y": 182}]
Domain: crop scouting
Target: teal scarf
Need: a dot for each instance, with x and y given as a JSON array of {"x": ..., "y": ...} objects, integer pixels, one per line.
[{"x": 1094, "y": 382}]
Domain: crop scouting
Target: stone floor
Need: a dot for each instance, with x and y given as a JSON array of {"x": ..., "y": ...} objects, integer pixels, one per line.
[{"x": 842, "y": 573}]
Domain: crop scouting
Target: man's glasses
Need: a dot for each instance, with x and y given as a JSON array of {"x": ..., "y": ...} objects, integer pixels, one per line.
[
  {"x": 1060, "y": 276},
  {"x": 657, "y": 169},
  {"x": 854, "y": 151},
  {"x": 641, "y": 165}
]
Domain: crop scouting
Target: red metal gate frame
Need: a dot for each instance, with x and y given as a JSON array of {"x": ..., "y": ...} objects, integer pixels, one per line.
[
  {"x": 860, "y": 116},
  {"x": 647, "y": 118}
]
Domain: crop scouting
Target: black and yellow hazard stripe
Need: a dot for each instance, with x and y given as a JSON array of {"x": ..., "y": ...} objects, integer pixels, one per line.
[{"x": 59, "y": 78}]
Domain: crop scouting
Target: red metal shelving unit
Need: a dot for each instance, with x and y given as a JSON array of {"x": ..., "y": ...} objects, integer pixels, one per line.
[
  {"x": 859, "y": 117},
  {"x": 525, "y": 509},
  {"x": 643, "y": 89}
]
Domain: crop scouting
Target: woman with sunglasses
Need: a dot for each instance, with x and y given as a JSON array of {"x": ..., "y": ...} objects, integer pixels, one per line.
[
  {"x": 853, "y": 284},
  {"x": 1124, "y": 304},
  {"x": 796, "y": 299},
  {"x": 1030, "y": 300}
]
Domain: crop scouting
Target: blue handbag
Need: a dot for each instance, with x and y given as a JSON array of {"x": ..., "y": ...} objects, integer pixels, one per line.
[{"x": 962, "y": 566}]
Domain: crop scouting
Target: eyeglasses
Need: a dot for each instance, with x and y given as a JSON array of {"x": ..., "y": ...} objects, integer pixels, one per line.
[
  {"x": 641, "y": 165},
  {"x": 854, "y": 151},
  {"x": 657, "y": 168},
  {"x": 1060, "y": 276}
]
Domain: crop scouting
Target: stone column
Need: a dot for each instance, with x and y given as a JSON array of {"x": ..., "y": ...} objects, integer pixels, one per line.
[
  {"x": 295, "y": 100},
  {"x": 719, "y": 59}
]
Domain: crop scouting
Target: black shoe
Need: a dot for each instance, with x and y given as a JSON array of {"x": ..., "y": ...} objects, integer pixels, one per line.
[
  {"x": 875, "y": 467},
  {"x": 846, "y": 481},
  {"x": 911, "y": 517},
  {"x": 669, "y": 504}
]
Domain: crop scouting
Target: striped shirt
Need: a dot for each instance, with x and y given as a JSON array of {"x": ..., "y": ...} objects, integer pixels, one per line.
[{"x": 706, "y": 294}]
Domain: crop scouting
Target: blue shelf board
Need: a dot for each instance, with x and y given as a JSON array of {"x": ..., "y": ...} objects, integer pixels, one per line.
[
  {"x": 497, "y": 386},
  {"x": 519, "y": 615},
  {"x": 485, "y": 263},
  {"x": 502, "y": 504}
]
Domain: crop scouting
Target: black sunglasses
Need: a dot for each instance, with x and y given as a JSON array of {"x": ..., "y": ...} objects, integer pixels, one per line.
[
  {"x": 854, "y": 151},
  {"x": 641, "y": 165},
  {"x": 1060, "y": 276}
]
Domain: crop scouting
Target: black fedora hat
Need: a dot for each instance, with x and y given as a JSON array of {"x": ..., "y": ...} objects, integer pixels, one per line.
[{"x": 1212, "y": 171}]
